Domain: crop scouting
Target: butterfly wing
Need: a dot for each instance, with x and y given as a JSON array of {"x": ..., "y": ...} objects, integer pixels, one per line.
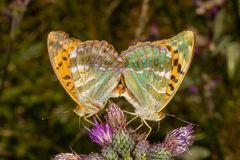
[
  {"x": 95, "y": 67},
  {"x": 67, "y": 156},
  {"x": 59, "y": 48},
  {"x": 154, "y": 71},
  {"x": 146, "y": 74},
  {"x": 181, "y": 47}
]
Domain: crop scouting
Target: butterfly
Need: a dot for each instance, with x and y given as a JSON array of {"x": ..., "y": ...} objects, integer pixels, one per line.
[
  {"x": 89, "y": 71},
  {"x": 149, "y": 73}
]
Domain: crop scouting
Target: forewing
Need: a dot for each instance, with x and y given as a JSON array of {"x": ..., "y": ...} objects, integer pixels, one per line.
[
  {"x": 59, "y": 48},
  {"x": 181, "y": 47},
  {"x": 95, "y": 67}
]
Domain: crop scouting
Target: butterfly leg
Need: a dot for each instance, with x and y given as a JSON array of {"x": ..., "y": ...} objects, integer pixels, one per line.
[
  {"x": 131, "y": 120},
  {"x": 87, "y": 120},
  {"x": 136, "y": 116},
  {"x": 150, "y": 128},
  {"x": 98, "y": 118},
  {"x": 138, "y": 127}
]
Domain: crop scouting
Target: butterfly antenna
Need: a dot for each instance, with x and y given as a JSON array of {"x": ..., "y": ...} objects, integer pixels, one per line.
[
  {"x": 55, "y": 115},
  {"x": 187, "y": 122}
]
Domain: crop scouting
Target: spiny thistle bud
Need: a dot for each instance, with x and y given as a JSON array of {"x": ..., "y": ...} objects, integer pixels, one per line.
[
  {"x": 109, "y": 154},
  {"x": 93, "y": 156},
  {"x": 122, "y": 142},
  {"x": 141, "y": 150},
  {"x": 101, "y": 133},
  {"x": 156, "y": 151},
  {"x": 179, "y": 140},
  {"x": 115, "y": 117}
]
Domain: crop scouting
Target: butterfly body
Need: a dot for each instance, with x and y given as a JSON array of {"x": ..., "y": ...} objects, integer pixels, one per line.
[{"x": 150, "y": 72}]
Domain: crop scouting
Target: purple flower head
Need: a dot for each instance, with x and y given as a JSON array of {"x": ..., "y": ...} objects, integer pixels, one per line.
[
  {"x": 115, "y": 117},
  {"x": 179, "y": 140},
  {"x": 101, "y": 133},
  {"x": 193, "y": 89}
]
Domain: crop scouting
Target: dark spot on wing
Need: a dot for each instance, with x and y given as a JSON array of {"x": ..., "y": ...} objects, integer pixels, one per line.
[
  {"x": 175, "y": 62},
  {"x": 173, "y": 78},
  {"x": 171, "y": 86},
  {"x": 64, "y": 58},
  {"x": 68, "y": 83},
  {"x": 179, "y": 68},
  {"x": 72, "y": 88},
  {"x": 175, "y": 51},
  {"x": 66, "y": 77},
  {"x": 60, "y": 64}
]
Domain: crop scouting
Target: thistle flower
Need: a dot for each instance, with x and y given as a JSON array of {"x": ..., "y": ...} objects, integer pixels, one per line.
[
  {"x": 109, "y": 153},
  {"x": 115, "y": 117},
  {"x": 179, "y": 140},
  {"x": 123, "y": 143},
  {"x": 101, "y": 133},
  {"x": 157, "y": 151},
  {"x": 141, "y": 150}
]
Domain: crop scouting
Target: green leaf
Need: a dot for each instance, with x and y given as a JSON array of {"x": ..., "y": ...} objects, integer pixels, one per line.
[
  {"x": 233, "y": 58},
  {"x": 219, "y": 24}
]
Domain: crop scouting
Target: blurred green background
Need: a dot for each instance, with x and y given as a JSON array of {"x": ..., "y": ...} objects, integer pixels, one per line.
[{"x": 29, "y": 90}]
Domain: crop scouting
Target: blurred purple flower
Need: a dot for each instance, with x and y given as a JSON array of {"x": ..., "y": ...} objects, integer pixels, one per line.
[
  {"x": 211, "y": 7},
  {"x": 193, "y": 89},
  {"x": 219, "y": 78},
  {"x": 115, "y": 117},
  {"x": 101, "y": 133},
  {"x": 179, "y": 140},
  {"x": 7, "y": 13},
  {"x": 214, "y": 11}
]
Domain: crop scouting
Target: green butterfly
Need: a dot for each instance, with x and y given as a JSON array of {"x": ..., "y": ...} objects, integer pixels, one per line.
[{"x": 150, "y": 72}]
